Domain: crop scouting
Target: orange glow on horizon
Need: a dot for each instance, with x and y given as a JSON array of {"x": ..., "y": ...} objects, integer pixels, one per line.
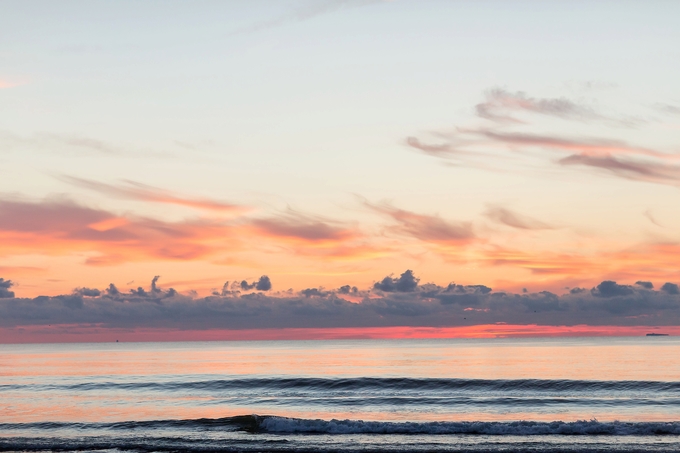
[{"x": 92, "y": 333}]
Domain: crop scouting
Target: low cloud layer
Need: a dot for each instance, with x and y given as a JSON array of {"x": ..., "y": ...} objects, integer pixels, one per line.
[{"x": 392, "y": 301}]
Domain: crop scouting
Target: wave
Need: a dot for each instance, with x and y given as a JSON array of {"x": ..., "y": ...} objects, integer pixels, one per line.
[
  {"x": 368, "y": 384},
  {"x": 285, "y": 425},
  {"x": 518, "y": 428}
]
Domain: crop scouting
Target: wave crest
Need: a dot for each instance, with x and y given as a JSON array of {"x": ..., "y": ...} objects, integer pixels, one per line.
[{"x": 519, "y": 428}]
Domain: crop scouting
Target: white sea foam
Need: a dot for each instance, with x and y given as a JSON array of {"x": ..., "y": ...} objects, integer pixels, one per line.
[{"x": 520, "y": 428}]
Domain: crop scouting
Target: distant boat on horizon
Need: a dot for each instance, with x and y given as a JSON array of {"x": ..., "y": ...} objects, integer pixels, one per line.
[{"x": 657, "y": 334}]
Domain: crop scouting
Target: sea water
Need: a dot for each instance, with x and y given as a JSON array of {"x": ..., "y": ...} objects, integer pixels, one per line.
[{"x": 556, "y": 394}]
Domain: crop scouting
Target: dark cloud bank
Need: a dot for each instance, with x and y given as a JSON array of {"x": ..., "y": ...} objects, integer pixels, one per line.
[{"x": 393, "y": 301}]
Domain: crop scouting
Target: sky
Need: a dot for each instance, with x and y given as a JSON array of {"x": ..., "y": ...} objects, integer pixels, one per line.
[{"x": 338, "y": 164}]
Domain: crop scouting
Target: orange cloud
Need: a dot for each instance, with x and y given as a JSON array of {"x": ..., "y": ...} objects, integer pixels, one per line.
[
  {"x": 540, "y": 262},
  {"x": 109, "y": 224},
  {"x": 20, "y": 270},
  {"x": 60, "y": 226},
  {"x": 655, "y": 261}
]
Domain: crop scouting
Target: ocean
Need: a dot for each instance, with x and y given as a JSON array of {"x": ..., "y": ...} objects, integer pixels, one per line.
[{"x": 455, "y": 395}]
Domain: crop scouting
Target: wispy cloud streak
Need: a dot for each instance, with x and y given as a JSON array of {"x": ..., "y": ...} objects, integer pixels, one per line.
[
  {"x": 500, "y": 104},
  {"x": 141, "y": 192},
  {"x": 628, "y": 169},
  {"x": 427, "y": 228},
  {"x": 473, "y": 145},
  {"x": 512, "y": 219}
]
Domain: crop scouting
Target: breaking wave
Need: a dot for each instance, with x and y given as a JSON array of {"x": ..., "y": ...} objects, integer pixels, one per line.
[{"x": 284, "y": 425}]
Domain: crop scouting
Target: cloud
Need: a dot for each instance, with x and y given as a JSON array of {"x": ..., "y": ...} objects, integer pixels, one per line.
[
  {"x": 316, "y": 237},
  {"x": 60, "y": 226},
  {"x": 426, "y": 228},
  {"x": 299, "y": 227},
  {"x": 88, "y": 292},
  {"x": 154, "y": 284},
  {"x": 542, "y": 263},
  {"x": 670, "y": 288},
  {"x": 639, "y": 263},
  {"x": 5, "y": 285},
  {"x": 668, "y": 108},
  {"x": 112, "y": 290},
  {"x": 660, "y": 173},
  {"x": 469, "y": 146},
  {"x": 399, "y": 301},
  {"x": 440, "y": 150},
  {"x": 263, "y": 284},
  {"x": 584, "y": 146},
  {"x": 500, "y": 104},
  {"x": 489, "y": 138},
  {"x": 515, "y": 220},
  {"x": 648, "y": 214},
  {"x": 347, "y": 289},
  {"x": 465, "y": 295},
  {"x": 407, "y": 282},
  {"x": 615, "y": 156},
  {"x": 314, "y": 292},
  {"x": 141, "y": 192},
  {"x": 611, "y": 289}
]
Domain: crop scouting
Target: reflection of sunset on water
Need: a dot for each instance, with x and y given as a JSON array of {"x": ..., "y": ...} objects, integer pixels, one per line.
[
  {"x": 104, "y": 375},
  {"x": 47, "y": 334}
]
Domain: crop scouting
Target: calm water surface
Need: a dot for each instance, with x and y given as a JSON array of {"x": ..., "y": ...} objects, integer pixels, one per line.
[{"x": 583, "y": 394}]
